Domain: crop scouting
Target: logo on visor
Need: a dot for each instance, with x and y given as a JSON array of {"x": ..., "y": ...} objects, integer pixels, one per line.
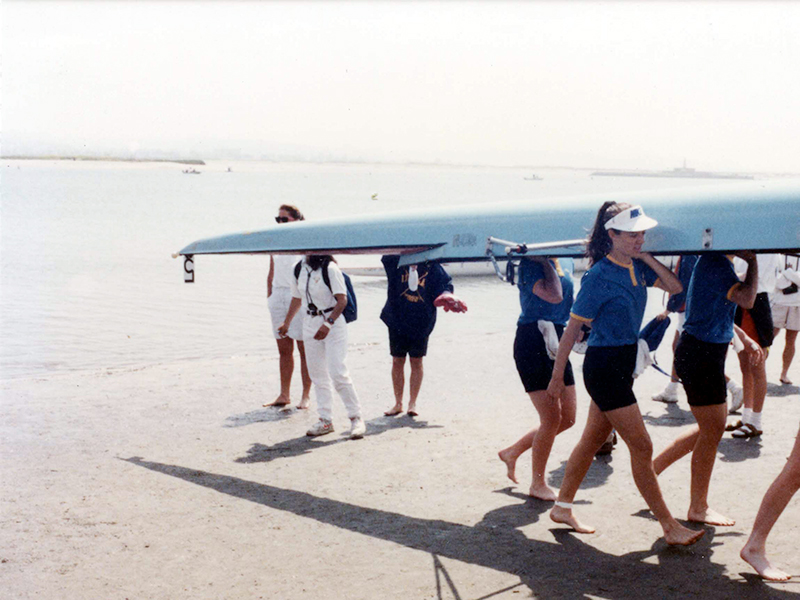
[{"x": 636, "y": 212}]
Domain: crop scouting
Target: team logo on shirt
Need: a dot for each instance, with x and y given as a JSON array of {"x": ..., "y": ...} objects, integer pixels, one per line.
[{"x": 407, "y": 293}]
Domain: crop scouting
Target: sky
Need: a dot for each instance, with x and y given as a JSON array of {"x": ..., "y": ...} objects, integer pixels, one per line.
[{"x": 583, "y": 84}]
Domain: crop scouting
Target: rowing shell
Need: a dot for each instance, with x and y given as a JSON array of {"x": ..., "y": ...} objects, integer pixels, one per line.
[{"x": 763, "y": 216}]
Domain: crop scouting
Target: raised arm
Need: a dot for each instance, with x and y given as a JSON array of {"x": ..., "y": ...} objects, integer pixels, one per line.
[
  {"x": 744, "y": 293},
  {"x": 549, "y": 288},
  {"x": 667, "y": 280}
]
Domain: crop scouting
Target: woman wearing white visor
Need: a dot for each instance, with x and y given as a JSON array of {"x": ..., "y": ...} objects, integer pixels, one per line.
[{"x": 612, "y": 299}]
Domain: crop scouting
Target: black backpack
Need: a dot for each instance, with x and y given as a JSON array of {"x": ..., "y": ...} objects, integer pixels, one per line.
[{"x": 350, "y": 312}]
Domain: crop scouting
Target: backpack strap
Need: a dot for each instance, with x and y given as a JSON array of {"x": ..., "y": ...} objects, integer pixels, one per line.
[
  {"x": 326, "y": 277},
  {"x": 297, "y": 268}
]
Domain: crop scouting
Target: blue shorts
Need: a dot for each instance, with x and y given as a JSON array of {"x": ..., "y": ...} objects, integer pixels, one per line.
[
  {"x": 400, "y": 345},
  {"x": 608, "y": 375},
  {"x": 530, "y": 355}
]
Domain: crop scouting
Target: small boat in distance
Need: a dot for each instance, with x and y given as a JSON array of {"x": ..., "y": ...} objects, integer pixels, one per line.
[
  {"x": 533, "y": 177},
  {"x": 191, "y": 171}
]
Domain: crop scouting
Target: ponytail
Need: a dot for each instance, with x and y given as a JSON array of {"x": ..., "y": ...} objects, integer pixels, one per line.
[{"x": 599, "y": 242}]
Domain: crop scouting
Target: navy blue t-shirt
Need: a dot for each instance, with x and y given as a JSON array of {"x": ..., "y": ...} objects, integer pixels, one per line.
[
  {"x": 533, "y": 307},
  {"x": 413, "y": 314},
  {"x": 709, "y": 308}
]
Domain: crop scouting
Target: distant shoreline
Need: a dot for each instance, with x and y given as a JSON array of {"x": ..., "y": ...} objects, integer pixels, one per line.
[
  {"x": 109, "y": 159},
  {"x": 749, "y": 175}
]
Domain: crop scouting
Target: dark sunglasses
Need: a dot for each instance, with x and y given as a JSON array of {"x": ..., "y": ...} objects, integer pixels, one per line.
[{"x": 281, "y": 219}]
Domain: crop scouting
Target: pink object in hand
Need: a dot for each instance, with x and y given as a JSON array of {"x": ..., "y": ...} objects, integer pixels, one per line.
[{"x": 450, "y": 303}]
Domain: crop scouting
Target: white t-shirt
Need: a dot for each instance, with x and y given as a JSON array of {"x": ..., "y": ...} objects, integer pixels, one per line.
[
  {"x": 311, "y": 285},
  {"x": 789, "y": 274},
  {"x": 283, "y": 271},
  {"x": 768, "y": 266}
]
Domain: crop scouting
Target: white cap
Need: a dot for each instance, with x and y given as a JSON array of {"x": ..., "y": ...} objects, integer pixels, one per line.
[{"x": 631, "y": 219}]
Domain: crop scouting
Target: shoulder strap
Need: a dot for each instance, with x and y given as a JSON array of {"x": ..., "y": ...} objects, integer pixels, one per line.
[
  {"x": 297, "y": 268},
  {"x": 326, "y": 277}
]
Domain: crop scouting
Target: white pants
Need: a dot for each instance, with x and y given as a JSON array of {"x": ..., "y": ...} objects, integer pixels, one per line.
[{"x": 325, "y": 359}]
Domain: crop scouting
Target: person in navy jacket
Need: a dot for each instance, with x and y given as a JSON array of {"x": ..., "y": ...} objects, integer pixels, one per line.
[{"x": 413, "y": 295}]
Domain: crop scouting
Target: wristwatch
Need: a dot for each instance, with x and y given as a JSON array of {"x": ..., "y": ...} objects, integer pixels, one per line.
[{"x": 329, "y": 320}]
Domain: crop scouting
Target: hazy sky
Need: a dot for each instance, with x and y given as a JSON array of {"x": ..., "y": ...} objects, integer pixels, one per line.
[{"x": 637, "y": 84}]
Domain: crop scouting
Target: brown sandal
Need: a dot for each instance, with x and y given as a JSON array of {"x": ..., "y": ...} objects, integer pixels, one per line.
[
  {"x": 734, "y": 426},
  {"x": 747, "y": 431}
]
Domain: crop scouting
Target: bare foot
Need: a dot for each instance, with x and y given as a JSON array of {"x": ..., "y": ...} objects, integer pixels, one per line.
[
  {"x": 709, "y": 517},
  {"x": 565, "y": 517},
  {"x": 304, "y": 404},
  {"x": 412, "y": 409},
  {"x": 678, "y": 535},
  {"x": 758, "y": 560},
  {"x": 279, "y": 401},
  {"x": 394, "y": 411},
  {"x": 785, "y": 381},
  {"x": 511, "y": 463},
  {"x": 542, "y": 492}
]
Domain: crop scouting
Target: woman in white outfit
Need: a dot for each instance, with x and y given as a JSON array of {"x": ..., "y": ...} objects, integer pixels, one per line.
[
  {"x": 325, "y": 337},
  {"x": 786, "y": 310},
  {"x": 279, "y": 296}
]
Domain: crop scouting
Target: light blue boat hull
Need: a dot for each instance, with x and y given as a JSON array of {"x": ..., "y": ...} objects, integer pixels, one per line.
[{"x": 763, "y": 216}]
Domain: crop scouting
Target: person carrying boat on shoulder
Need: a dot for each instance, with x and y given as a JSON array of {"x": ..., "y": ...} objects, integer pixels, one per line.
[
  {"x": 545, "y": 294},
  {"x": 714, "y": 293},
  {"x": 612, "y": 298}
]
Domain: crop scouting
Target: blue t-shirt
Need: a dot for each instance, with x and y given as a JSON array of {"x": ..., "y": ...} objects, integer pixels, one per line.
[
  {"x": 533, "y": 307},
  {"x": 685, "y": 267},
  {"x": 413, "y": 314},
  {"x": 709, "y": 308},
  {"x": 612, "y": 298}
]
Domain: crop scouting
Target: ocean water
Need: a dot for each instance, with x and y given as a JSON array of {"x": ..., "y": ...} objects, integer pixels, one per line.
[{"x": 87, "y": 281}]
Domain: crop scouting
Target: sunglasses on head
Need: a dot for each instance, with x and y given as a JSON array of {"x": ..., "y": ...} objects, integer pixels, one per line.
[{"x": 281, "y": 219}]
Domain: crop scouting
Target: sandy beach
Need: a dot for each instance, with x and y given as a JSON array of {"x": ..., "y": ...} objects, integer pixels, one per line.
[{"x": 171, "y": 481}]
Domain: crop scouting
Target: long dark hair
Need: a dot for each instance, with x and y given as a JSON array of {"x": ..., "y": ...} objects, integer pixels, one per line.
[
  {"x": 599, "y": 242},
  {"x": 293, "y": 210},
  {"x": 315, "y": 261}
]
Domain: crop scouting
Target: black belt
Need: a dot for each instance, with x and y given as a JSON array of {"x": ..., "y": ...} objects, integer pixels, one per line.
[{"x": 318, "y": 313}]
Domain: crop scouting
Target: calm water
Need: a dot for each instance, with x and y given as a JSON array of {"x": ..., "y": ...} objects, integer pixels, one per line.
[{"x": 88, "y": 281}]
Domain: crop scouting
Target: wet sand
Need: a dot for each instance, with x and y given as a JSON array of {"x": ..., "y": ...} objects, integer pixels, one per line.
[{"x": 172, "y": 481}]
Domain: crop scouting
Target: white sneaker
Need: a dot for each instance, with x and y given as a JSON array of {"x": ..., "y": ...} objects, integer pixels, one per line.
[
  {"x": 737, "y": 398},
  {"x": 357, "y": 429},
  {"x": 666, "y": 397},
  {"x": 321, "y": 427}
]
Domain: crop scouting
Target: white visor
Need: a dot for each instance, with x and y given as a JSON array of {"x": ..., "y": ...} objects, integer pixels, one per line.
[{"x": 631, "y": 219}]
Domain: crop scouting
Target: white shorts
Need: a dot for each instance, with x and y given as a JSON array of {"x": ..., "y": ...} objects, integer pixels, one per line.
[
  {"x": 786, "y": 317},
  {"x": 278, "y": 304}
]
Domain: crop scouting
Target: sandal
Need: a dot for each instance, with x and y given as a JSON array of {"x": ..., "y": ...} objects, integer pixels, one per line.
[
  {"x": 747, "y": 431},
  {"x": 734, "y": 426}
]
